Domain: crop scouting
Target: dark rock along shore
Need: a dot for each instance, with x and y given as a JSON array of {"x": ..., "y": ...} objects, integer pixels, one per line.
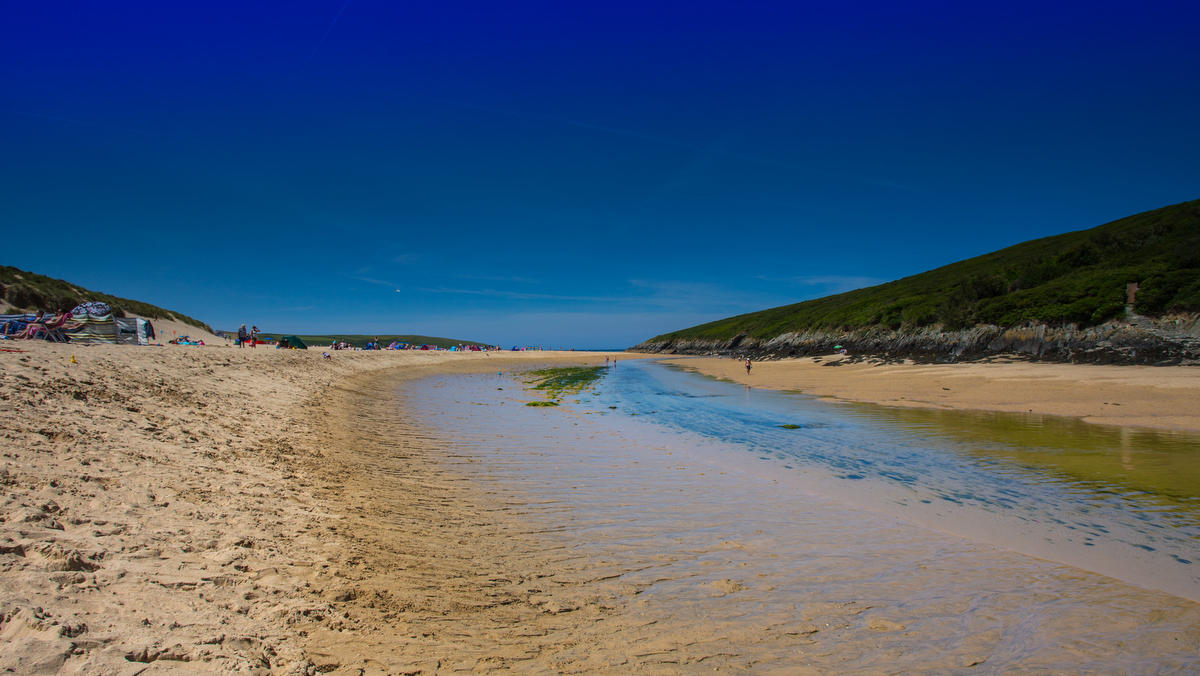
[{"x": 1173, "y": 340}]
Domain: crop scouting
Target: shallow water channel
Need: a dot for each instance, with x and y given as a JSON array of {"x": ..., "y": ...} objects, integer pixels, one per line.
[
  {"x": 1119, "y": 501},
  {"x": 761, "y": 510}
]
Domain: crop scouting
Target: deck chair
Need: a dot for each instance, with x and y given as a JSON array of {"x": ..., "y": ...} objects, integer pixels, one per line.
[{"x": 50, "y": 329}]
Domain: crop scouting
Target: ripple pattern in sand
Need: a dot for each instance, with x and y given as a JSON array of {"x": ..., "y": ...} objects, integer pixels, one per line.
[{"x": 669, "y": 559}]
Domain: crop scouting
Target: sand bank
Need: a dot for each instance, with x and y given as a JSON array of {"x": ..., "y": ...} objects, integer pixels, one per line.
[
  {"x": 1163, "y": 397},
  {"x": 167, "y": 506},
  {"x": 663, "y": 552},
  {"x": 230, "y": 510},
  {"x": 478, "y": 534}
]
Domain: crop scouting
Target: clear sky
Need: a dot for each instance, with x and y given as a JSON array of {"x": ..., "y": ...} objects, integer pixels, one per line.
[{"x": 583, "y": 174}]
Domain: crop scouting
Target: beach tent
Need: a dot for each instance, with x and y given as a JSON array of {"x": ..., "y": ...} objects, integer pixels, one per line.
[
  {"x": 89, "y": 326},
  {"x": 93, "y": 322},
  {"x": 133, "y": 330},
  {"x": 294, "y": 341},
  {"x": 93, "y": 330}
]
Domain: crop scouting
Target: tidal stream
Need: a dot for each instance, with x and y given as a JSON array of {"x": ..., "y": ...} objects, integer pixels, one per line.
[{"x": 756, "y": 511}]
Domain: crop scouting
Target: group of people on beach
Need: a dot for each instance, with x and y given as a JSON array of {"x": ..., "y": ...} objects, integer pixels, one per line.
[
  {"x": 41, "y": 326},
  {"x": 244, "y": 336}
]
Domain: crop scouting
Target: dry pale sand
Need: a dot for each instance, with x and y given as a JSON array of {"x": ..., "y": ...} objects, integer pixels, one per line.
[
  {"x": 1163, "y": 397},
  {"x": 171, "y": 507},
  {"x": 169, "y": 329},
  {"x": 250, "y": 510}
]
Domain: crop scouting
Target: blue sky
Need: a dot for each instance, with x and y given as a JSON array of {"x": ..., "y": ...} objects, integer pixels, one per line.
[{"x": 570, "y": 174}]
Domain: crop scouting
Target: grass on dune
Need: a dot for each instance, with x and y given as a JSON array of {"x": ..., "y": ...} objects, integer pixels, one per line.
[{"x": 29, "y": 291}]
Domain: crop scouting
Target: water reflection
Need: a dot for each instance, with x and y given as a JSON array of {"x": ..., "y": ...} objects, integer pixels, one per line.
[
  {"x": 1157, "y": 464},
  {"x": 1064, "y": 481},
  {"x": 693, "y": 507}
]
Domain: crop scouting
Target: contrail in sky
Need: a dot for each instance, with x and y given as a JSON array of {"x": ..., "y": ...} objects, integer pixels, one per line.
[{"x": 328, "y": 31}]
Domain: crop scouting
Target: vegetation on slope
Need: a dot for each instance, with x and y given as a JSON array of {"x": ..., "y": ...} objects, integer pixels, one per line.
[
  {"x": 31, "y": 291},
  {"x": 1076, "y": 277}
]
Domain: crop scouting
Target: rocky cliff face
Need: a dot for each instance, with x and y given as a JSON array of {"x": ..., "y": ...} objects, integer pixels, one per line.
[{"x": 1133, "y": 340}]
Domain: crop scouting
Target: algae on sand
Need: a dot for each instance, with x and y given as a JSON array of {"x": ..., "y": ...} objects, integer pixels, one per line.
[{"x": 562, "y": 381}]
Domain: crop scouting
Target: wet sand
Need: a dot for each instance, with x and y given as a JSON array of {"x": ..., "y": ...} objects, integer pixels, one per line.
[
  {"x": 170, "y": 508},
  {"x": 721, "y": 564},
  {"x": 1161, "y": 397},
  {"x": 226, "y": 510},
  {"x": 574, "y": 545}
]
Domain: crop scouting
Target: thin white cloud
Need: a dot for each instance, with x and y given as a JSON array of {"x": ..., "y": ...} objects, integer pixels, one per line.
[
  {"x": 524, "y": 295},
  {"x": 894, "y": 185},
  {"x": 703, "y": 297},
  {"x": 328, "y": 30},
  {"x": 669, "y": 296},
  {"x": 500, "y": 278},
  {"x": 829, "y": 283},
  {"x": 580, "y": 329},
  {"x": 372, "y": 280}
]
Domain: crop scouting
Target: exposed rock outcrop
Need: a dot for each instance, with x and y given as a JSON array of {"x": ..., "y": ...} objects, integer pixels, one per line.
[{"x": 1133, "y": 340}]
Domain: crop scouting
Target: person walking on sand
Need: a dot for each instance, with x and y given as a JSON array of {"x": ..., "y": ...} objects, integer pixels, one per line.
[
  {"x": 242, "y": 335},
  {"x": 747, "y": 366},
  {"x": 253, "y": 336}
]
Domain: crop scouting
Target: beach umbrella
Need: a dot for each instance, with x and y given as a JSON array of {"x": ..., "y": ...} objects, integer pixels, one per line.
[{"x": 837, "y": 347}]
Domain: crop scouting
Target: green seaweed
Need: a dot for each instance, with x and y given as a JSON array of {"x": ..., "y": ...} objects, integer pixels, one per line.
[
  {"x": 562, "y": 381},
  {"x": 568, "y": 379}
]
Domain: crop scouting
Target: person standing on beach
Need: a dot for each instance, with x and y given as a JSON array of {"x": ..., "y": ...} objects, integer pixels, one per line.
[
  {"x": 242, "y": 335},
  {"x": 253, "y": 336},
  {"x": 747, "y": 366}
]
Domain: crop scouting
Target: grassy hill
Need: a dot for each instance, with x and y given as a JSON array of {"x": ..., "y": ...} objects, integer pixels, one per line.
[
  {"x": 31, "y": 291},
  {"x": 1076, "y": 277},
  {"x": 361, "y": 340}
]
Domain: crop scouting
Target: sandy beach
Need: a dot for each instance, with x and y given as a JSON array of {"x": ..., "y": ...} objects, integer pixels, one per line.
[
  {"x": 250, "y": 510},
  {"x": 173, "y": 506},
  {"x": 1161, "y": 397}
]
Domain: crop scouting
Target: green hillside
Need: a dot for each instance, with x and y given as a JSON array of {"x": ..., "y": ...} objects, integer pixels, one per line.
[
  {"x": 30, "y": 291},
  {"x": 361, "y": 340},
  {"x": 1075, "y": 277}
]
